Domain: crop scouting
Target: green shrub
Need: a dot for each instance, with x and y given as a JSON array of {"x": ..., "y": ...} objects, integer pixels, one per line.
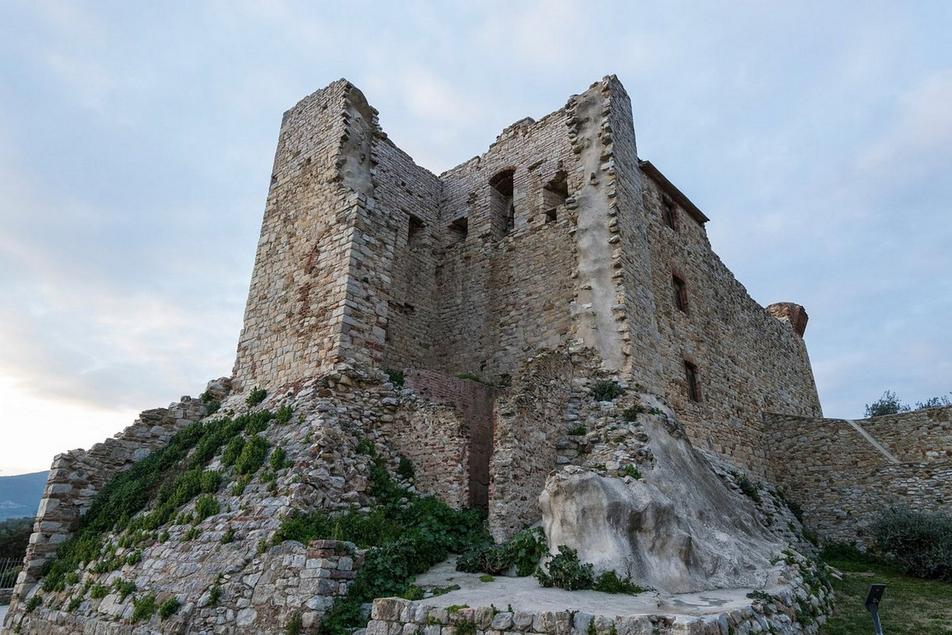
[
  {"x": 192, "y": 534},
  {"x": 34, "y": 602},
  {"x": 748, "y": 488},
  {"x": 228, "y": 536},
  {"x": 214, "y": 594},
  {"x": 134, "y": 557},
  {"x": 232, "y": 451},
  {"x": 210, "y": 481},
  {"x": 98, "y": 591},
  {"x": 609, "y": 582},
  {"x": 567, "y": 572},
  {"x": 578, "y": 430},
  {"x": 256, "y": 396},
  {"x": 366, "y": 446},
  {"x": 283, "y": 414},
  {"x": 631, "y": 412},
  {"x": 124, "y": 588},
  {"x": 74, "y": 604},
  {"x": 143, "y": 608},
  {"x": 486, "y": 578},
  {"x": 406, "y": 535},
  {"x": 631, "y": 470},
  {"x": 252, "y": 455},
  {"x": 606, "y": 390},
  {"x": 206, "y": 506},
  {"x": 405, "y": 468},
  {"x": 169, "y": 608},
  {"x": 295, "y": 625},
  {"x": 257, "y": 421},
  {"x": 238, "y": 488},
  {"x": 919, "y": 542},
  {"x": 396, "y": 377},
  {"x": 278, "y": 459}
]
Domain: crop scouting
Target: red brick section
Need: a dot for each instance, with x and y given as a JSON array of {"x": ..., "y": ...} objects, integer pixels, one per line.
[
  {"x": 475, "y": 402},
  {"x": 791, "y": 312}
]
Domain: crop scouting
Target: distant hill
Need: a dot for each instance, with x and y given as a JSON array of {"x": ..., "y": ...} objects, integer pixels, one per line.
[{"x": 20, "y": 495}]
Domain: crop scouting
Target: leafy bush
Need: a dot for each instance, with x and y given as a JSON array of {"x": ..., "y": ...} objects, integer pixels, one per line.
[
  {"x": 405, "y": 468},
  {"x": 228, "y": 536},
  {"x": 609, "y": 582},
  {"x": 283, "y": 414},
  {"x": 396, "y": 377},
  {"x": 631, "y": 470},
  {"x": 124, "y": 588},
  {"x": 34, "y": 602},
  {"x": 98, "y": 591},
  {"x": 567, "y": 572},
  {"x": 232, "y": 450},
  {"x": 206, "y": 506},
  {"x": 407, "y": 534},
  {"x": 888, "y": 404},
  {"x": 256, "y": 396},
  {"x": 577, "y": 431},
  {"x": 606, "y": 390},
  {"x": 295, "y": 625},
  {"x": 365, "y": 446},
  {"x": 210, "y": 481},
  {"x": 143, "y": 608},
  {"x": 748, "y": 488},
  {"x": 920, "y": 542},
  {"x": 252, "y": 455},
  {"x": 278, "y": 459},
  {"x": 631, "y": 412},
  {"x": 214, "y": 594},
  {"x": 169, "y": 608}
]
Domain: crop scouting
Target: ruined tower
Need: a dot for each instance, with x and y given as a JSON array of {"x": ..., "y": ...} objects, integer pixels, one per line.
[{"x": 558, "y": 237}]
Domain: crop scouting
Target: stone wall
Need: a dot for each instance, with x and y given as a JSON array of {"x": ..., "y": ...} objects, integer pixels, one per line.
[
  {"x": 77, "y": 476},
  {"x": 844, "y": 474},
  {"x": 531, "y": 417},
  {"x": 748, "y": 361}
]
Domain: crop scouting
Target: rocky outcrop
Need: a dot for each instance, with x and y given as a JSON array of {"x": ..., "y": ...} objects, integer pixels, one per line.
[{"x": 672, "y": 524}]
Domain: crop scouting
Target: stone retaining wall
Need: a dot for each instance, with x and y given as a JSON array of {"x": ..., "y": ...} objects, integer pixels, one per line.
[
  {"x": 77, "y": 476},
  {"x": 843, "y": 482}
]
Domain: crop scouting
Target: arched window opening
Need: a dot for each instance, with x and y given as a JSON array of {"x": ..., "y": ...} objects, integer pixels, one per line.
[
  {"x": 553, "y": 196},
  {"x": 501, "y": 205}
]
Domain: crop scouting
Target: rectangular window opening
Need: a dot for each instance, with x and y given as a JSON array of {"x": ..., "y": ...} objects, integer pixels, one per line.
[
  {"x": 680, "y": 293},
  {"x": 670, "y": 213},
  {"x": 415, "y": 231},
  {"x": 551, "y": 216},
  {"x": 458, "y": 230},
  {"x": 694, "y": 386}
]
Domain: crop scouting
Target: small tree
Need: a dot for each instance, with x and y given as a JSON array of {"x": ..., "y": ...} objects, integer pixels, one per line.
[{"x": 888, "y": 404}]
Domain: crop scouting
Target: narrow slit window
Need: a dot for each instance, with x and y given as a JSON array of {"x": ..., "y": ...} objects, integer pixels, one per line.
[
  {"x": 554, "y": 195},
  {"x": 680, "y": 293},
  {"x": 415, "y": 231},
  {"x": 670, "y": 213},
  {"x": 458, "y": 230},
  {"x": 693, "y": 384},
  {"x": 501, "y": 201}
]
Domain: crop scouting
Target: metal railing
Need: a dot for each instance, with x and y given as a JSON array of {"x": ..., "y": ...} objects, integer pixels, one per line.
[{"x": 9, "y": 568}]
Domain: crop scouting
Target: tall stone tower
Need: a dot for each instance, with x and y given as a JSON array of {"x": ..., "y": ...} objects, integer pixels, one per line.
[{"x": 556, "y": 238}]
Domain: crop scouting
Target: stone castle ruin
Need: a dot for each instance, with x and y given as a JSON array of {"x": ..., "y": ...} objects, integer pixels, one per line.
[{"x": 544, "y": 334}]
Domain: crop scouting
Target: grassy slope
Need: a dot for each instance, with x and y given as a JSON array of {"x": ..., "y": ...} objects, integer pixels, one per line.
[{"x": 911, "y": 606}]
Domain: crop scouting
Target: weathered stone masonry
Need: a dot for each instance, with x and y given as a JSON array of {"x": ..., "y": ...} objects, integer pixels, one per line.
[
  {"x": 552, "y": 238},
  {"x": 844, "y": 474}
]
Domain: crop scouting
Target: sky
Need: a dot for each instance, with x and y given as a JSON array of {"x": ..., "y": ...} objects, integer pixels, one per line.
[{"x": 136, "y": 142}]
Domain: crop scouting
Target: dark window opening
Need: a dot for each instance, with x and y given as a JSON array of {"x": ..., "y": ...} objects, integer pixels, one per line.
[
  {"x": 458, "y": 230},
  {"x": 670, "y": 213},
  {"x": 680, "y": 293},
  {"x": 554, "y": 194},
  {"x": 415, "y": 231},
  {"x": 694, "y": 386},
  {"x": 501, "y": 204}
]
